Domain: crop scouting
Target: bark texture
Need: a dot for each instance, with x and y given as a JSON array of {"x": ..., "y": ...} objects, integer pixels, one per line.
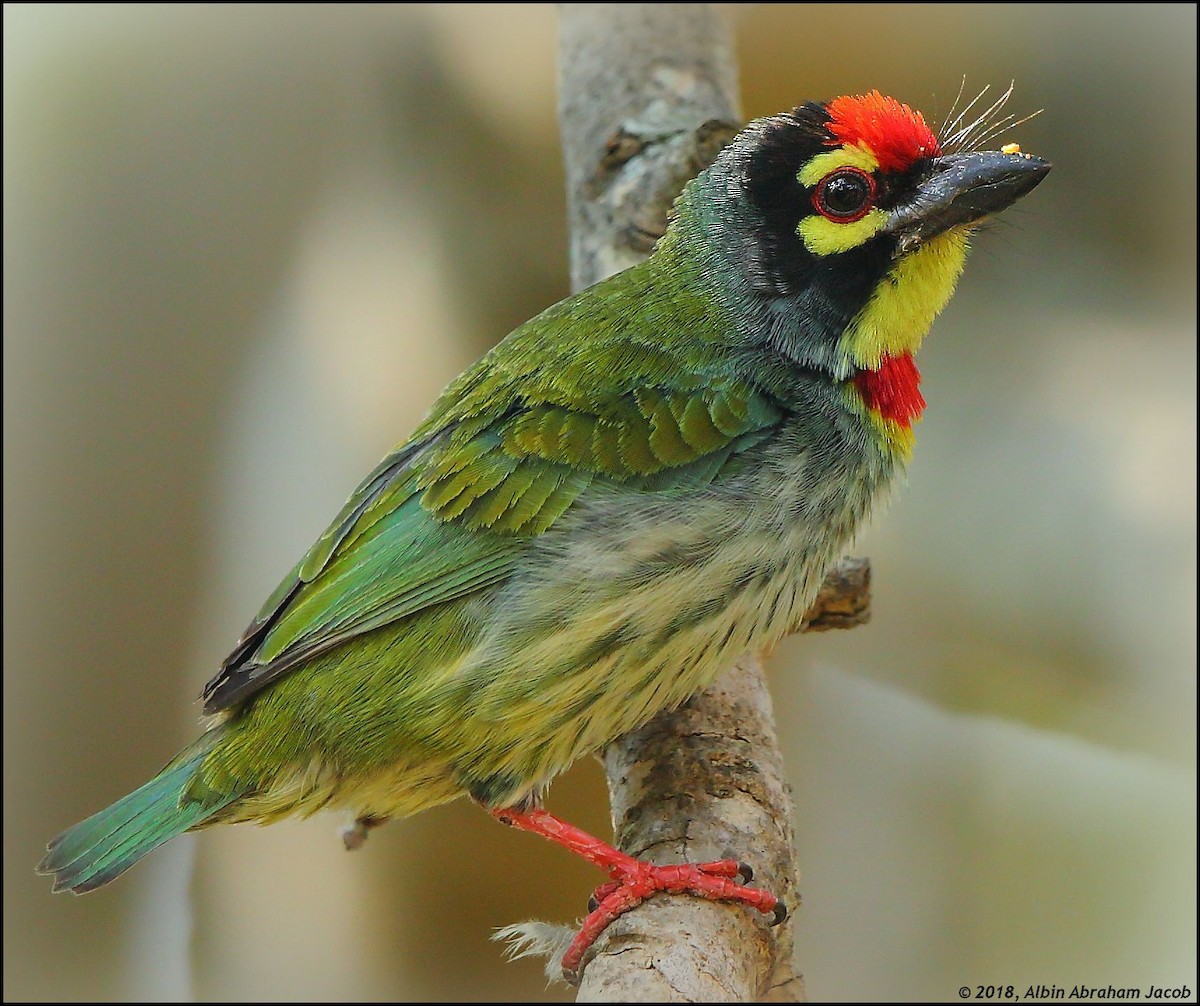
[{"x": 647, "y": 98}]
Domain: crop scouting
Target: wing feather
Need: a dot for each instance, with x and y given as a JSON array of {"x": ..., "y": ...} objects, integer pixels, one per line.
[{"x": 451, "y": 512}]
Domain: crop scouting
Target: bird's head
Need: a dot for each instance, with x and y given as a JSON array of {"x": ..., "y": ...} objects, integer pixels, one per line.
[{"x": 847, "y": 226}]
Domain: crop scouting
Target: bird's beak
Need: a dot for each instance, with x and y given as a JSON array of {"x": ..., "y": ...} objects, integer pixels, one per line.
[{"x": 962, "y": 189}]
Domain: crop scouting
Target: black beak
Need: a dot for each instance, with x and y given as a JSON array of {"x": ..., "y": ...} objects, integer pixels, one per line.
[{"x": 962, "y": 189}]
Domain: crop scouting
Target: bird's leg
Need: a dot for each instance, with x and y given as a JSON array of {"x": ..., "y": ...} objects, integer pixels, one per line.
[
  {"x": 354, "y": 835},
  {"x": 634, "y": 880}
]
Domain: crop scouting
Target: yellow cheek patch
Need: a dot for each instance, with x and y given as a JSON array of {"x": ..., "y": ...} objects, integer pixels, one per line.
[
  {"x": 911, "y": 295},
  {"x": 828, "y": 237},
  {"x": 855, "y": 156}
]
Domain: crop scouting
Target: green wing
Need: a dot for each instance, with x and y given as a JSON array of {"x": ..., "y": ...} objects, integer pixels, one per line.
[
  {"x": 507, "y": 450},
  {"x": 383, "y": 557}
]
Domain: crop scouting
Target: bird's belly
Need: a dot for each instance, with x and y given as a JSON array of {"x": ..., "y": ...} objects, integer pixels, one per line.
[
  {"x": 628, "y": 618},
  {"x": 628, "y": 606}
]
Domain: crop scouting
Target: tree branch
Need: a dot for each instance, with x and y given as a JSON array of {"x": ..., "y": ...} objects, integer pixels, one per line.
[
  {"x": 706, "y": 782},
  {"x": 647, "y": 98}
]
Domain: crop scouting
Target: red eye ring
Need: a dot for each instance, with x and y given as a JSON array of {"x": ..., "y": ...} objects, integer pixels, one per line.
[{"x": 844, "y": 195}]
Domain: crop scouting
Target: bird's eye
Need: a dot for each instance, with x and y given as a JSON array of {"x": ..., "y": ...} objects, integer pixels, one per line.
[{"x": 844, "y": 195}]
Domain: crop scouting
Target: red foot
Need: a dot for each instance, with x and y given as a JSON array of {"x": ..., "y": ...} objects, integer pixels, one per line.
[{"x": 634, "y": 880}]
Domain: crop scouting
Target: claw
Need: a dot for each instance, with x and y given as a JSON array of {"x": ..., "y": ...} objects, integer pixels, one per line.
[
  {"x": 639, "y": 880},
  {"x": 600, "y": 893},
  {"x": 634, "y": 880}
]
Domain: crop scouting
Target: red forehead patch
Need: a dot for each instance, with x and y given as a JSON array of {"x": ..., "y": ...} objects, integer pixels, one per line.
[{"x": 892, "y": 131}]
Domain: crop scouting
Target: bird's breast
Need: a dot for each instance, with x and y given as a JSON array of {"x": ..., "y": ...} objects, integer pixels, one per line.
[{"x": 635, "y": 601}]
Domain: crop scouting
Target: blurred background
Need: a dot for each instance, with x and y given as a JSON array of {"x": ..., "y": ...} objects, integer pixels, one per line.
[{"x": 244, "y": 247}]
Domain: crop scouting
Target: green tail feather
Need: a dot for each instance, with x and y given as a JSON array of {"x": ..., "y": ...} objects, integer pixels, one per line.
[{"x": 108, "y": 843}]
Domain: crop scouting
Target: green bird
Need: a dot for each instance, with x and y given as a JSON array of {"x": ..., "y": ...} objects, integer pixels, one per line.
[{"x": 636, "y": 486}]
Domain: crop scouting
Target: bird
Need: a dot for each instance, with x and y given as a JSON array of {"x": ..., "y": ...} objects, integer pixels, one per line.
[{"x": 641, "y": 483}]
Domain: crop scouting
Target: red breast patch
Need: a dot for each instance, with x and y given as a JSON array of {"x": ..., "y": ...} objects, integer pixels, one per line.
[{"x": 893, "y": 391}]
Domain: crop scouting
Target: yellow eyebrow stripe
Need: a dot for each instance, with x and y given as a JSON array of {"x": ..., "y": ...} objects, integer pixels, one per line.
[{"x": 856, "y": 156}]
